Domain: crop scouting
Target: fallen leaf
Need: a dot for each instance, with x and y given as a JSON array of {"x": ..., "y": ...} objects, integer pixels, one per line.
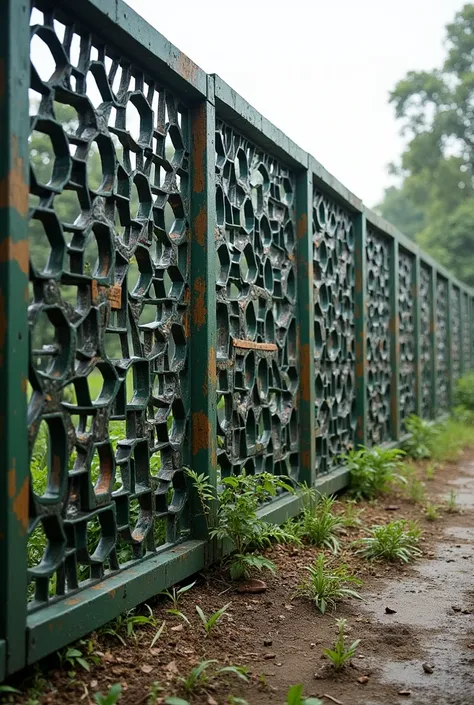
[
  {"x": 172, "y": 667},
  {"x": 146, "y": 668},
  {"x": 177, "y": 628}
]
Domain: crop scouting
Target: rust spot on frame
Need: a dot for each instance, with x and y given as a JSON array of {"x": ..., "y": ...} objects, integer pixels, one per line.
[
  {"x": 200, "y": 431},
  {"x": 187, "y": 68},
  {"x": 24, "y": 384},
  {"x": 301, "y": 226},
  {"x": 199, "y": 149},
  {"x": 13, "y": 188},
  {"x": 200, "y": 226},
  {"x": 56, "y": 471},
  {"x": 15, "y": 252},
  {"x": 20, "y": 506},
  {"x": 358, "y": 280},
  {"x": 305, "y": 371},
  {"x": 305, "y": 459},
  {"x": 252, "y": 345},
  {"x": 199, "y": 307}
]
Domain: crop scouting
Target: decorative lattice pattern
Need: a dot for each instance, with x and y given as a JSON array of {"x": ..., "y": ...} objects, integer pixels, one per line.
[
  {"x": 425, "y": 345},
  {"x": 256, "y": 309},
  {"x": 442, "y": 346},
  {"x": 465, "y": 333},
  {"x": 109, "y": 234},
  {"x": 334, "y": 359},
  {"x": 456, "y": 341},
  {"x": 378, "y": 338},
  {"x": 406, "y": 307}
]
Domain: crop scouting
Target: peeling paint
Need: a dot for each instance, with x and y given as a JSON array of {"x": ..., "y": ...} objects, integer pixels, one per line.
[
  {"x": 302, "y": 226},
  {"x": 199, "y": 307},
  {"x": 13, "y": 187},
  {"x": 200, "y": 432},
  {"x": 200, "y": 229},
  {"x": 199, "y": 149},
  {"x": 11, "y": 251},
  {"x": 187, "y": 68},
  {"x": 20, "y": 505},
  {"x": 305, "y": 372}
]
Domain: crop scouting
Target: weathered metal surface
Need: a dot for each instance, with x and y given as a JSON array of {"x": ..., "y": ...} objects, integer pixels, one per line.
[
  {"x": 360, "y": 320},
  {"x": 407, "y": 312},
  {"x": 442, "y": 344},
  {"x": 394, "y": 340},
  {"x": 456, "y": 348},
  {"x": 426, "y": 341}
]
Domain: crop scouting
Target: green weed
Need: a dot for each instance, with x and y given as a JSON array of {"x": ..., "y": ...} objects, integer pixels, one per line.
[
  {"x": 464, "y": 391},
  {"x": 327, "y": 584},
  {"x": 112, "y": 697},
  {"x": 422, "y": 436},
  {"x": 351, "y": 518},
  {"x": 213, "y": 620},
  {"x": 317, "y": 524},
  {"x": 415, "y": 490},
  {"x": 432, "y": 512},
  {"x": 397, "y": 540},
  {"x": 373, "y": 470},
  {"x": 451, "y": 504},
  {"x": 430, "y": 471},
  {"x": 206, "y": 672},
  {"x": 340, "y": 654},
  {"x": 175, "y": 594},
  {"x": 295, "y": 697}
]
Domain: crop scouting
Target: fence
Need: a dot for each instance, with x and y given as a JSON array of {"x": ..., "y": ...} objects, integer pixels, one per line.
[{"x": 180, "y": 286}]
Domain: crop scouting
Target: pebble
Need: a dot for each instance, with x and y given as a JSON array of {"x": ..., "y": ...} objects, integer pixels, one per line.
[
  {"x": 427, "y": 668},
  {"x": 252, "y": 586},
  {"x": 269, "y": 656},
  {"x": 389, "y": 610},
  {"x": 363, "y": 680},
  {"x": 404, "y": 692},
  {"x": 455, "y": 608},
  {"x": 267, "y": 642}
]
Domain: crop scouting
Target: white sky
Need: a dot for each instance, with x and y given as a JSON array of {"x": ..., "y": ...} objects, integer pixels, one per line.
[{"x": 320, "y": 70}]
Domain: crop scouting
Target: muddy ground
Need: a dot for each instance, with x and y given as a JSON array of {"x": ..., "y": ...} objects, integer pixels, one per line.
[{"x": 280, "y": 638}]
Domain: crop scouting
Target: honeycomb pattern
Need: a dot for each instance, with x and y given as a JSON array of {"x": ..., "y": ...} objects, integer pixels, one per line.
[
  {"x": 109, "y": 237},
  {"x": 406, "y": 307},
  {"x": 378, "y": 338},
  {"x": 425, "y": 333},
  {"x": 334, "y": 358},
  {"x": 442, "y": 346},
  {"x": 257, "y": 356},
  {"x": 456, "y": 342}
]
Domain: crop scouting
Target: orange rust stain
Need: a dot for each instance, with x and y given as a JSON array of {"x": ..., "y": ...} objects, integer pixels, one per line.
[
  {"x": 200, "y": 227},
  {"x": 358, "y": 280},
  {"x": 12, "y": 482},
  {"x": 187, "y": 68},
  {"x": 72, "y": 601},
  {"x": 3, "y": 326},
  {"x": 199, "y": 307},
  {"x": 306, "y": 459},
  {"x": 199, "y": 151},
  {"x": 112, "y": 594},
  {"x": 24, "y": 384},
  {"x": 200, "y": 432},
  {"x": 15, "y": 252},
  {"x": 20, "y": 505},
  {"x": 13, "y": 188},
  {"x": 301, "y": 226},
  {"x": 305, "y": 371}
]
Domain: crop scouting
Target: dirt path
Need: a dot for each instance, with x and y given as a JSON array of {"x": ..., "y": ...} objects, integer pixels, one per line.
[{"x": 280, "y": 639}]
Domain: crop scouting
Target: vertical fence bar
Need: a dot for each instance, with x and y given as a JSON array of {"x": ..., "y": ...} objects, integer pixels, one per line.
[
  {"x": 304, "y": 210},
  {"x": 417, "y": 334},
  {"x": 394, "y": 342},
  {"x": 433, "y": 337},
  {"x": 462, "y": 300},
  {"x": 449, "y": 345},
  {"x": 360, "y": 309},
  {"x": 203, "y": 301},
  {"x": 14, "y": 474}
]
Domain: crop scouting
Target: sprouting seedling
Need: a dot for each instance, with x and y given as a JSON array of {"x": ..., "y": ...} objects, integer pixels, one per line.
[
  {"x": 340, "y": 654},
  {"x": 295, "y": 697},
  {"x": 112, "y": 696},
  {"x": 158, "y": 633},
  {"x": 452, "y": 506},
  {"x": 175, "y": 594},
  {"x": 214, "y": 619},
  {"x": 432, "y": 511}
]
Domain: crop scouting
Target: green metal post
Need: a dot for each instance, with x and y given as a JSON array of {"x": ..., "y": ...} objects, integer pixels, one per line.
[
  {"x": 304, "y": 210},
  {"x": 394, "y": 342},
  {"x": 417, "y": 333},
  {"x": 462, "y": 306},
  {"x": 14, "y": 475},
  {"x": 449, "y": 347},
  {"x": 203, "y": 301},
  {"x": 433, "y": 336},
  {"x": 360, "y": 310}
]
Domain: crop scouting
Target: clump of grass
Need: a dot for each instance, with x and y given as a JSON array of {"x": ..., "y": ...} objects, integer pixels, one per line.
[
  {"x": 327, "y": 584},
  {"x": 317, "y": 524},
  {"x": 432, "y": 512},
  {"x": 373, "y": 470},
  {"x": 415, "y": 490},
  {"x": 452, "y": 506},
  {"x": 396, "y": 540},
  {"x": 453, "y": 436},
  {"x": 340, "y": 654},
  {"x": 430, "y": 471},
  {"x": 422, "y": 436},
  {"x": 351, "y": 518}
]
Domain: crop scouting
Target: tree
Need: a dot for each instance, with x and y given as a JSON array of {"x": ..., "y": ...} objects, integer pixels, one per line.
[{"x": 436, "y": 198}]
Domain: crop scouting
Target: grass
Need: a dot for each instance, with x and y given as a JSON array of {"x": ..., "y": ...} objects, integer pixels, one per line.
[
  {"x": 396, "y": 540},
  {"x": 340, "y": 654},
  {"x": 327, "y": 584},
  {"x": 318, "y": 525},
  {"x": 451, "y": 503},
  {"x": 432, "y": 512},
  {"x": 453, "y": 436}
]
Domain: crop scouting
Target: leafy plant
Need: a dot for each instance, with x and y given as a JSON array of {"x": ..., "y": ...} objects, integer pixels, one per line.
[
  {"x": 372, "y": 470},
  {"x": 339, "y": 655},
  {"x": 124, "y": 627},
  {"x": 464, "y": 391},
  {"x": 394, "y": 540},
  {"x": 432, "y": 512},
  {"x": 327, "y": 584},
  {"x": 295, "y": 697},
  {"x": 112, "y": 697},
  {"x": 214, "y": 619},
  {"x": 175, "y": 594},
  {"x": 453, "y": 436},
  {"x": 205, "y": 672},
  {"x": 158, "y": 633},
  {"x": 205, "y": 492},
  {"x": 451, "y": 505},
  {"x": 422, "y": 435},
  {"x": 351, "y": 518},
  {"x": 415, "y": 490},
  {"x": 76, "y": 657},
  {"x": 430, "y": 471},
  {"x": 317, "y": 524}
]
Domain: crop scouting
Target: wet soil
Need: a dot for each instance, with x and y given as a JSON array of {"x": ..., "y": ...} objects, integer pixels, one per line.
[{"x": 280, "y": 638}]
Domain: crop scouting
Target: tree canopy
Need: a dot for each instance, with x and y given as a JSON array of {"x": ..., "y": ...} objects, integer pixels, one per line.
[{"x": 434, "y": 203}]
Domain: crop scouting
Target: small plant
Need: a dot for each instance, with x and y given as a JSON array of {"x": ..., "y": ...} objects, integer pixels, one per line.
[
  {"x": 339, "y": 655},
  {"x": 214, "y": 619},
  {"x": 372, "y": 470},
  {"x": 205, "y": 672},
  {"x": 112, "y": 697},
  {"x": 415, "y": 490},
  {"x": 451, "y": 505},
  {"x": 205, "y": 492},
  {"x": 422, "y": 435},
  {"x": 75, "y": 657},
  {"x": 295, "y": 697},
  {"x": 464, "y": 391},
  {"x": 351, "y": 518},
  {"x": 327, "y": 584},
  {"x": 430, "y": 471},
  {"x": 125, "y": 625},
  {"x": 158, "y": 633},
  {"x": 317, "y": 524},
  {"x": 453, "y": 436},
  {"x": 175, "y": 594},
  {"x": 232, "y": 700},
  {"x": 432, "y": 512},
  {"x": 176, "y": 701},
  {"x": 395, "y": 540}
]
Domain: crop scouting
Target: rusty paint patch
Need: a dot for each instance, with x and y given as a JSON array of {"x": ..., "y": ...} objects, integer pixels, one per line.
[
  {"x": 305, "y": 459},
  {"x": 200, "y": 226},
  {"x": 15, "y": 252},
  {"x": 252, "y": 345},
  {"x": 358, "y": 280},
  {"x": 24, "y": 384},
  {"x": 302, "y": 226},
  {"x": 199, "y": 149},
  {"x": 20, "y": 506},
  {"x": 305, "y": 372},
  {"x": 200, "y": 430},
  {"x": 72, "y": 601},
  {"x": 13, "y": 188},
  {"x": 3, "y": 326},
  {"x": 199, "y": 307},
  {"x": 187, "y": 68},
  {"x": 112, "y": 594}
]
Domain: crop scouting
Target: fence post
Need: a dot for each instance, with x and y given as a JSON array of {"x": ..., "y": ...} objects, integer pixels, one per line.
[
  {"x": 449, "y": 345},
  {"x": 434, "y": 351},
  {"x": 14, "y": 472},
  {"x": 462, "y": 361},
  {"x": 360, "y": 314},
  {"x": 394, "y": 342},
  {"x": 417, "y": 334},
  {"x": 203, "y": 301},
  {"x": 304, "y": 219}
]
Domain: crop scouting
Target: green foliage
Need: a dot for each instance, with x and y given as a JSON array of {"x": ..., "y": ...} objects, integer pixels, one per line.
[
  {"x": 317, "y": 524},
  {"x": 205, "y": 491},
  {"x": 451, "y": 504},
  {"x": 175, "y": 594},
  {"x": 396, "y": 540},
  {"x": 242, "y": 565},
  {"x": 112, "y": 697},
  {"x": 176, "y": 701},
  {"x": 432, "y": 511},
  {"x": 206, "y": 672},
  {"x": 340, "y": 654},
  {"x": 430, "y": 471},
  {"x": 372, "y": 470},
  {"x": 351, "y": 518},
  {"x": 423, "y": 435},
  {"x": 452, "y": 437},
  {"x": 398, "y": 208},
  {"x": 125, "y": 626},
  {"x": 415, "y": 490},
  {"x": 464, "y": 391},
  {"x": 83, "y": 657},
  {"x": 213, "y": 620},
  {"x": 327, "y": 583},
  {"x": 295, "y": 697}
]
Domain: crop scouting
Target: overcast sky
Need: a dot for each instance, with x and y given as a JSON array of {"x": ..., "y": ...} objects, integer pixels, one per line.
[{"x": 320, "y": 70}]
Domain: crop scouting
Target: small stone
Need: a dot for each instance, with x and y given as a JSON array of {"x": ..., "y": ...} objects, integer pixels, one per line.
[
  {"x": 455, "y": 608},
  {"x": 146, "y": 668},
  {"x": 312, "y": 645},
  {"x": 267, "y": 657},
  {"x": 252, "y": 586},
  {"x": 389, "y": 610},
  {"x": 211, "y": 700},
  {"x": 427, "y": 668},
  {"x": 177, "y": 628},
  {"x": 404, "y": 692},
  {"x": 267, "y": 642},
  {"x": 363, "y": 679},
  {"x": 466, "y": 611},
  {"x": 94, "y": 684},
  {"x": 392, "y": 508}
]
